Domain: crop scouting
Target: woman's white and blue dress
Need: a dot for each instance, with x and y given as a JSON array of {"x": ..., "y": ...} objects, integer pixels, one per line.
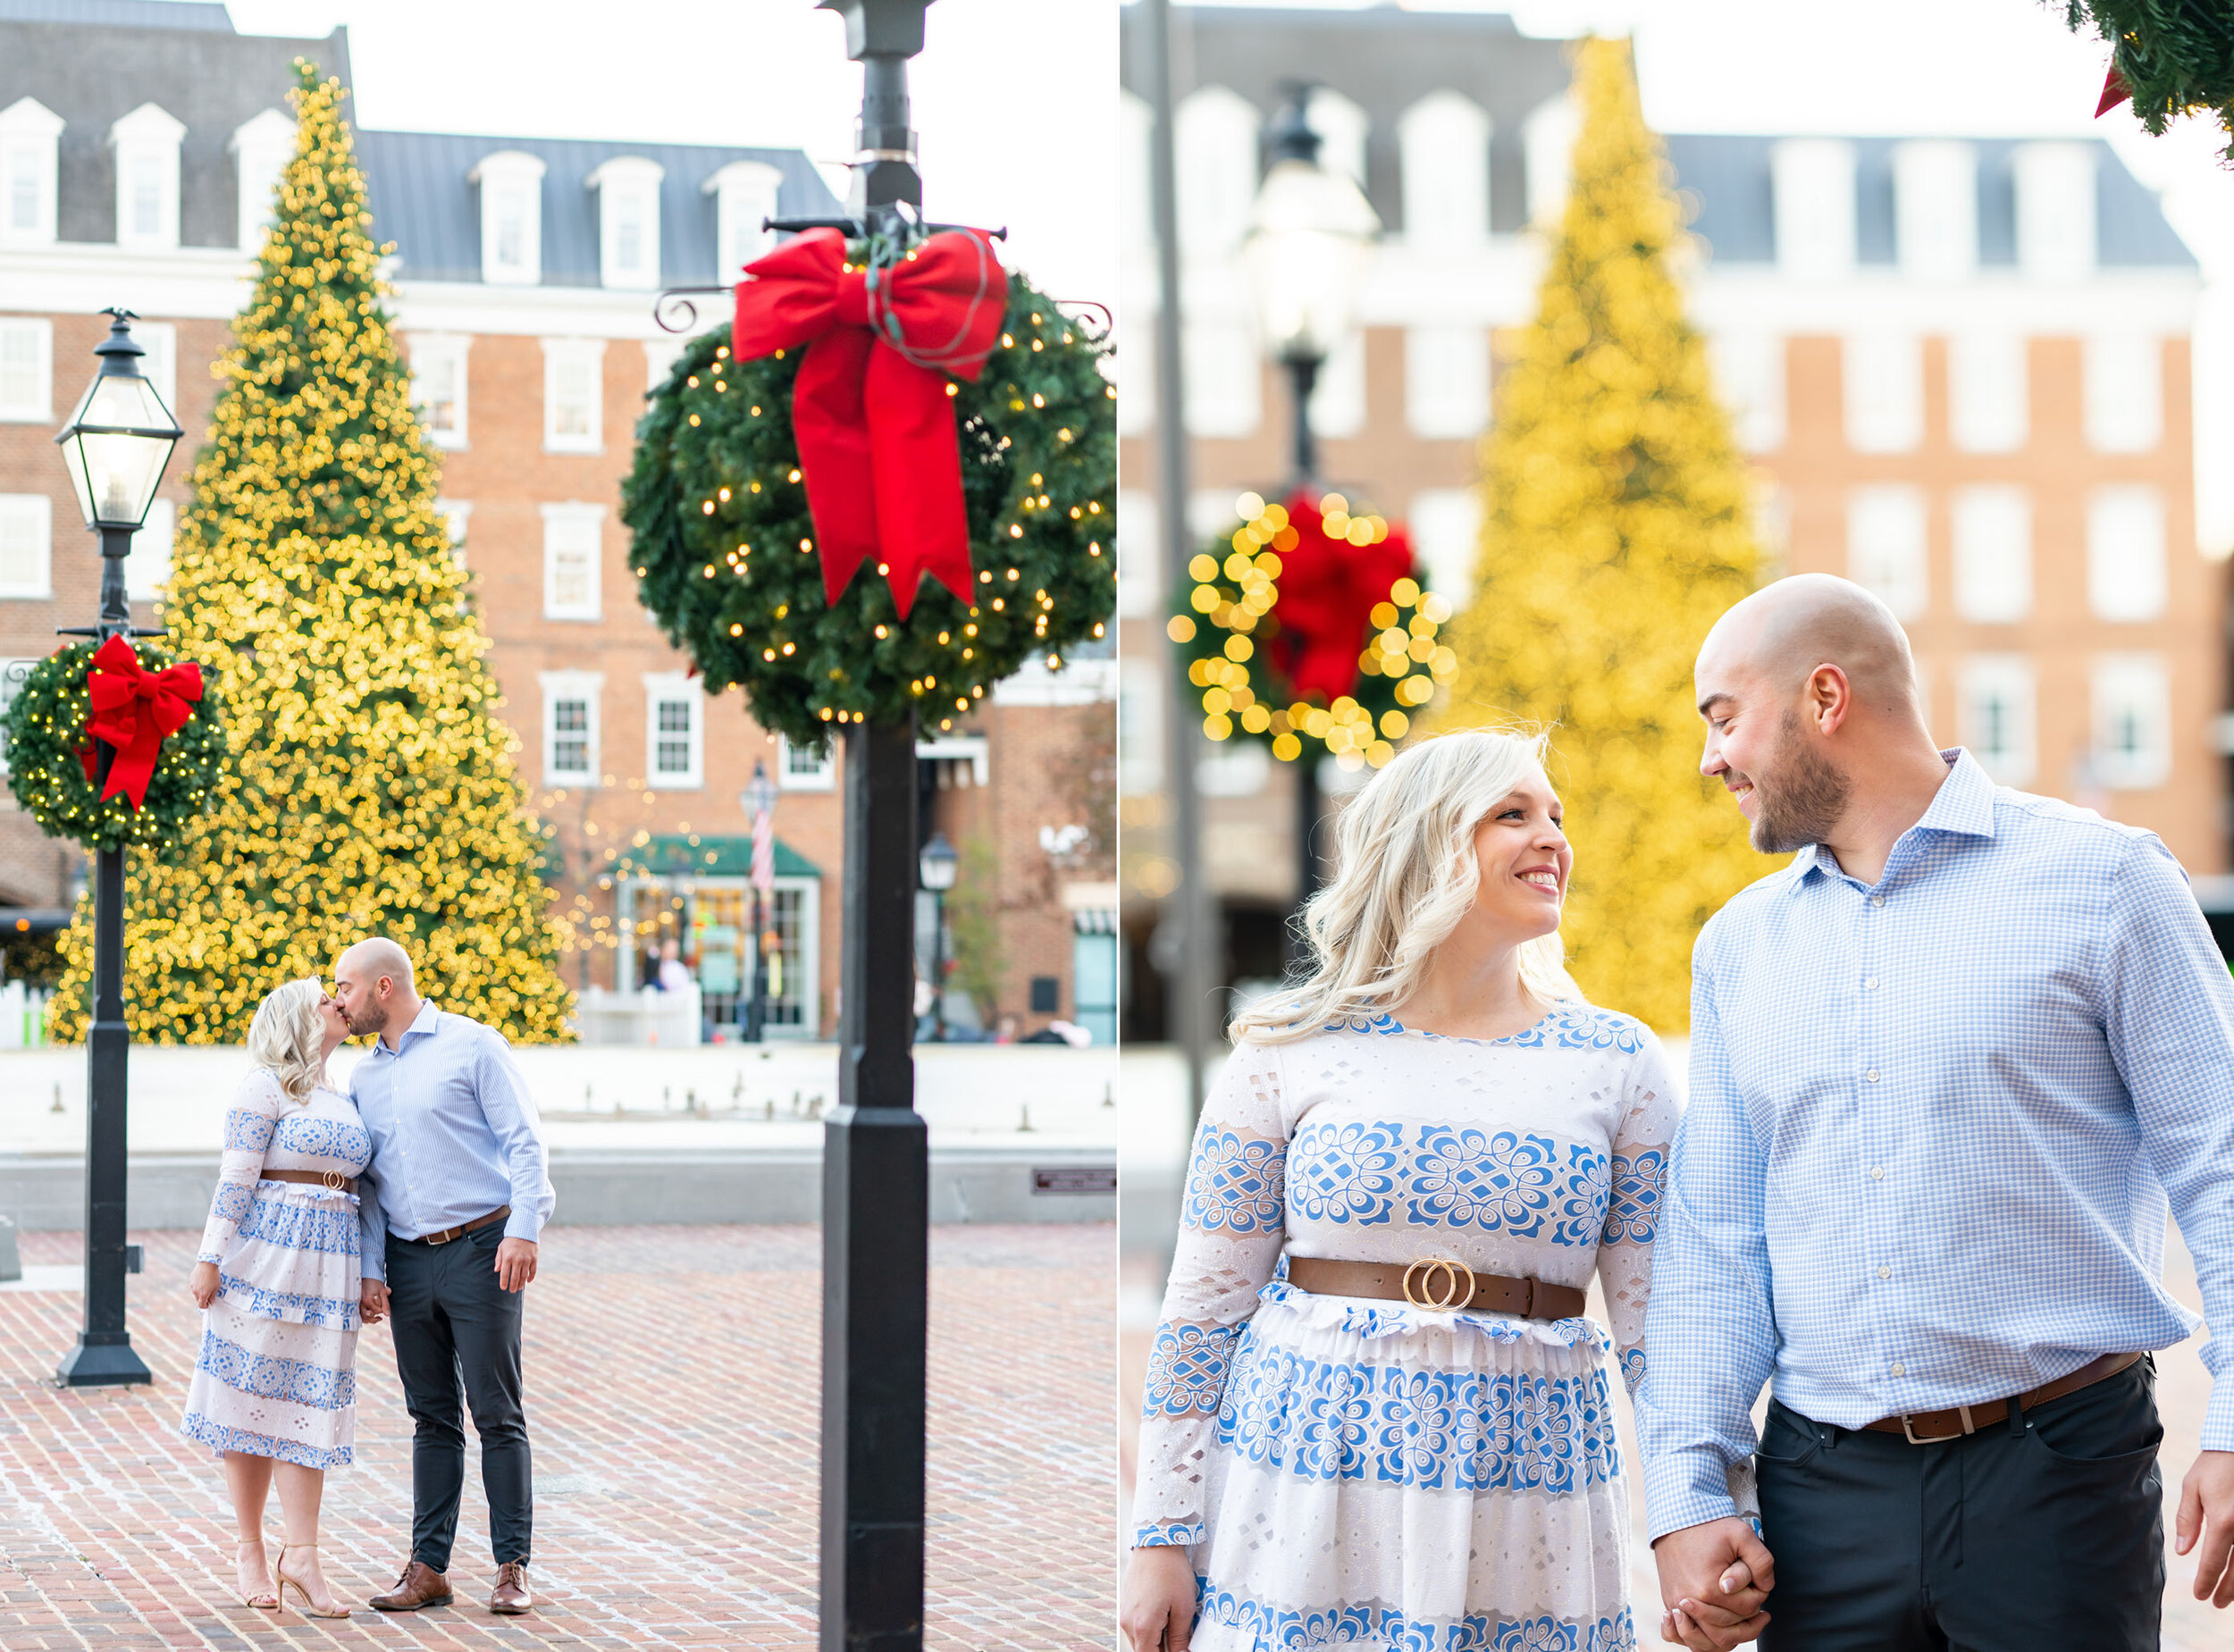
[
  {"x": 277, "y": 1372},
  {"x": 1355, "y": 1472}
]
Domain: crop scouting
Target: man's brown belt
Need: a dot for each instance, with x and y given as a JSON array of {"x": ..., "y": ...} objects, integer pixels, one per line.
[
  {"x": 1929, "y": 1428},
  {"x": 1437, "y": 1282},
  {"x": 463, "y": 1229},
  {"x": 333, "y": 1181}
]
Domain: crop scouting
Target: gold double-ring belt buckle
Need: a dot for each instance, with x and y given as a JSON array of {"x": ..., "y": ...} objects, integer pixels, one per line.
[
  {"x": 336, "y": 1182},
  {"x": 1439, "y": 1289}
]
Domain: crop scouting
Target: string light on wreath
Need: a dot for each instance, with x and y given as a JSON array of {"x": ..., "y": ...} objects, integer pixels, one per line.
[{"x": 1307, "y": 628}]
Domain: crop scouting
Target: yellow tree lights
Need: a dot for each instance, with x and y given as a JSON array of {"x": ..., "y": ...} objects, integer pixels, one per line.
[
  {"x": 1311, "y": 632},
  {"x": 372, "y": 787},
  {"x": 1616, "y": 532}
]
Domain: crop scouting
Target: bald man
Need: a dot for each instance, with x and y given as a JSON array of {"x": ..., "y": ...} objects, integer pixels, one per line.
[
  {"x": 1949, "y": 1069},
  {"x": 459, "y": 1184}
]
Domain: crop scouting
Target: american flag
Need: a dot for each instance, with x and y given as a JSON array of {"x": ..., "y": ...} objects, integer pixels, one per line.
[{"x": 763, "y": 851}]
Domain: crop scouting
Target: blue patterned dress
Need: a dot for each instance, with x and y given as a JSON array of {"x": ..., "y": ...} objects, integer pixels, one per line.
[
  {"x": 1348, "y": 1472},
  {"x": 277, "y": 1372}
]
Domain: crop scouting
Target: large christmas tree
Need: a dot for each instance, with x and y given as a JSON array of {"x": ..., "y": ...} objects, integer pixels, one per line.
[
  {"x": 1616, "y": 531},
  {"x": 372, "y": 791}
]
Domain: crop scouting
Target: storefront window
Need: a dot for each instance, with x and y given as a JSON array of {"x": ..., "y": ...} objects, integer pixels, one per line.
[{"x": 710, "y": 922}]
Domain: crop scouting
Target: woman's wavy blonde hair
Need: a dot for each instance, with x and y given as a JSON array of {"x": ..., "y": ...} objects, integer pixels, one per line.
[
  {"x": 1404, "y": 875},
  {"x": 285, "y": 1036}
]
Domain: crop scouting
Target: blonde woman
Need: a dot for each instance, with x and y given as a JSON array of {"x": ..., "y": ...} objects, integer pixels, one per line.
[
  {"x": 274, "y": 1390},
  {"x": 1376, "y": 1412}
]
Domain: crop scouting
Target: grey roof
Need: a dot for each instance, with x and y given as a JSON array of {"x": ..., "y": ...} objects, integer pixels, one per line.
[
  {"x": 93, "y": 73},
  {"x": 1382, "y": 59},
  {"x": 206, "y": 15},
  {"x": 422, "y": 201},
  {"x": 1727, "y": 180}
]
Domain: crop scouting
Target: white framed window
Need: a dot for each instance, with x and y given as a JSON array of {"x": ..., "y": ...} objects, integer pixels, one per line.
[
  {"x": 1997, "y": 693},
  {"x": 146, "y": 145},
  {"x": 2125, "y": 393},
  {"x": 1141, "y": 583},
  {"x": 675, "y": 732},
  {"x": 572, "y": 561},
  {"x": 2125, "y": 553},
  {"x": 1447, "y": 381},
  {"x": 745, "y": 194},
  {"x": 1224, "y": 380},
  {"x": 1812, "y": 184},
  {"x": 1935, "y": 209},
  {"x": 2055, "y": 210},
  {"x": 1337, "y": 396},
  {"x": 2132, "y": 695},
  {"x": 574, "y": 395},
  {"x": 1749, "y": 372},
  {"x": 1214, "y": 131},
  {"x": 1772, "y": 526},
  {"x": 261, "y": 148},
  {"x": 1989, "y": 394},
  {"x": 147, "y": 570},
  {"x": 27, "y": 545},
  {"x": 511, "y": 185},
  {"x": 803, "y": 768},
  {"x": 570, "y": 726},
  {"x": 438, "y": 384},
  {"x": 658, "y": 360},
  {"x": 1884, "y": 392},
  {"x": 1887, "y": 545},
  {"x": 1993, "y": 554},
  {"x": 27, "y": 360},
  {"x": 456, "y": 515},
  {"x": 1546, "y": 145},
  {"x": 160, "y": 340},
  {"x": 628, "y": 190},
  {"x": 31, "y": 145},
  {"x": 1447, "y": 528},
  {"x": 1444, "y": 142}
]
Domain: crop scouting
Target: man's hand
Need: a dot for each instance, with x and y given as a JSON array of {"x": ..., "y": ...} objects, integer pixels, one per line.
[
  {"x": 516, "y": 1263},
  {"x": 2206, "y": 1510},
  {"x": 1713, "y": 1580},
  {"x": 371, "y": 1302},
  {"x": 1155, "y": 1604}
]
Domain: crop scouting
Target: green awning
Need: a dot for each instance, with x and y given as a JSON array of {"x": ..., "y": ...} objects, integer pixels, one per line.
[{"x": 704, "y": 855}]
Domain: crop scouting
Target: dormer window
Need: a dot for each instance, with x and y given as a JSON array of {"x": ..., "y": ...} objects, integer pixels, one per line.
[
  {"x": 744, "y": 197},
  {"x": 1214, "y": 131},
  {"x": 1814, "y": 188},
  {"x": 628, "y": 220},
  {"x": 2055, "y": 210},
  {"x": 511, "y": 218},
  {"x": 30, "y": 136},
  {"x": 1935, "y": 205},
  {"x": 146, "y": 146},
  {"x": 261, "y": 149},
  {"x": 1445, "y": 142},
  {"x": 1547, "y": 142}
]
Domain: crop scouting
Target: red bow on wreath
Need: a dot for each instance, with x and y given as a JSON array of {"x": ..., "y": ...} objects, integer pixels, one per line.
[
  {"x": 1328, "y": 587},
  {"x": 869, "y": 408},
  {"x": 134, "y": 709}
]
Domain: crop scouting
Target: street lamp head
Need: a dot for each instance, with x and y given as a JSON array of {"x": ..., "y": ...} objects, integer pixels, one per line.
[
  {"x": 120, "y": 437},
  {"x": 1310, "y": 236},
  {"x": 938, "y": 864},
  {"x": 760, "y": 794}
]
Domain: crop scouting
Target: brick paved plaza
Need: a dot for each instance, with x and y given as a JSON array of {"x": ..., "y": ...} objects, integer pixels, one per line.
[{"x": 672, "y": 1397}]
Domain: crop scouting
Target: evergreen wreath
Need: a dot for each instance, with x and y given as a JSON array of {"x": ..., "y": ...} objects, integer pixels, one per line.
[
  {"x": 723, "y": 540},
  {"x": 45, "y": 730},
  {"x": 2175, "y": 57}
]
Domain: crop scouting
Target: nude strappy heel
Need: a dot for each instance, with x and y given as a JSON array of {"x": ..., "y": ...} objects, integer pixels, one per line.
[
  {"x": 267, "y": 1600},
  {"x": 278, "y": 1570}
]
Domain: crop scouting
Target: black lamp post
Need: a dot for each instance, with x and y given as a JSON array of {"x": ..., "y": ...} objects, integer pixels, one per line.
[
  {"x": 114, "y": 447},
  {"x": 937, "y": 866},
  {"x": 1311, "y": 234},
  {"x": 759, "y": 807}
]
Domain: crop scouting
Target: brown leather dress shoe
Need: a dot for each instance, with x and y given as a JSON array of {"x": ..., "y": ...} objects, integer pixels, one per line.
[
  {"x": 421, "y": 1585},
  {"x": 511, "y": 1596}
]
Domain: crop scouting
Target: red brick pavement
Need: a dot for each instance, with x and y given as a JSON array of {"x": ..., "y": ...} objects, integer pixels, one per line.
[{"x": 671, "y": 1397}]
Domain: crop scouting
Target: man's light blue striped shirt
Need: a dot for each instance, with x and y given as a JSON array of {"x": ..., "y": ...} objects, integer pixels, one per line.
[{"x": 1932, "y": 1125}]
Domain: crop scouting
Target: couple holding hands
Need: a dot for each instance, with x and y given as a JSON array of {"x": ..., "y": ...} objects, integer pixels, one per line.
[
  {"x": 416, "y": 1198},
  {"x": 1950, "y": 1068}
]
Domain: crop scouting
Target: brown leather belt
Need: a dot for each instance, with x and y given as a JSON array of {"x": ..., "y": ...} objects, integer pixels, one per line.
[
  {"x": 1439, "y": 1283},
  {"x": 1929, "y": 1428},
  {"x": 333, "y": 1181},
  {"x": 463, "y": 1229}
]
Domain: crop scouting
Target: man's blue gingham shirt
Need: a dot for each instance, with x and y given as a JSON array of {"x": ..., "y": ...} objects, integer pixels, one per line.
[{"x": 1933, "y": 1124}]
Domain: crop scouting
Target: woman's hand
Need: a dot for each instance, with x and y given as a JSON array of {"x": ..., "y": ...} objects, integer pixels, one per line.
[
  {"x": 204, "y": 1284},
  {"x": 1155, "y": 1604}
]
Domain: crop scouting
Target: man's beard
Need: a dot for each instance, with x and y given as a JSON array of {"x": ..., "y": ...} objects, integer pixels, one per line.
[
  {"x": 1802, "y": 803},
  {"x": 373, "y": 1018}
]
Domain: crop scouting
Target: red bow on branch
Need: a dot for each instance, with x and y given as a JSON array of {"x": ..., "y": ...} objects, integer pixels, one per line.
[
  {"x": 869, "y": 408},
  {"x": 134, "y": 709},
  {"x": 1328, "y": 587}
]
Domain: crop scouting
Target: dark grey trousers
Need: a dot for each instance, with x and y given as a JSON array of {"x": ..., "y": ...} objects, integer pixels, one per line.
[
  {"x": 451, "y": 1317},
  {"x": 2044, "y": 1531}
]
